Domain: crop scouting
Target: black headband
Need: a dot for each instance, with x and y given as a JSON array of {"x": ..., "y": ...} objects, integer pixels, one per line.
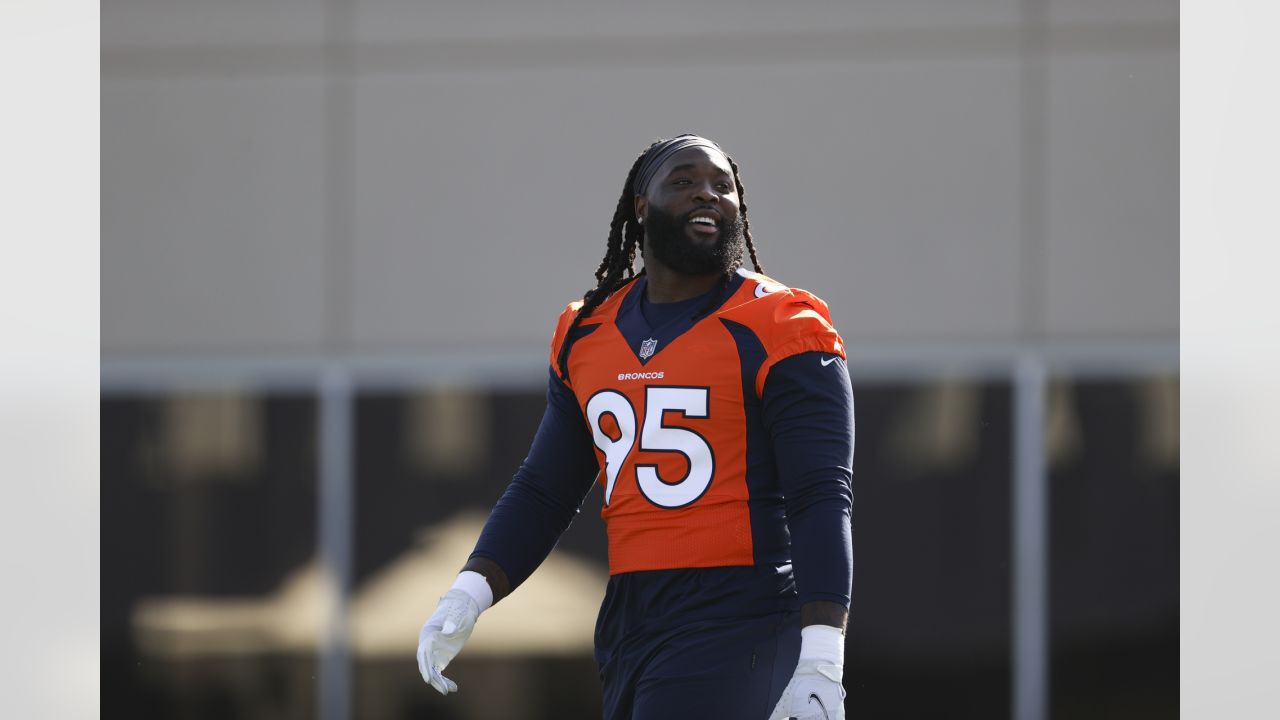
[{"x": 658, "y": 154}]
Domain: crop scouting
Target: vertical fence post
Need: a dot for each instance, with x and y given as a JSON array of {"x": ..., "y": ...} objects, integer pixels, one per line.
[
  {"x": 1030, "y": 542},
  {"x": 333, "y": 680}
]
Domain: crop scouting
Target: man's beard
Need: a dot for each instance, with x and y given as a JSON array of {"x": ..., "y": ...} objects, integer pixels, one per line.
[{"x": 666, "y": 237}]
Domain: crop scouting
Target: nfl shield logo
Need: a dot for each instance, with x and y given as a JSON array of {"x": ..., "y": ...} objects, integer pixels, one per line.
[{"x": 647, "y": 348}]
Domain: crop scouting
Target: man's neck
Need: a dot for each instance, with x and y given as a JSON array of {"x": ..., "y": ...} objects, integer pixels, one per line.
[{"x": 667, "y": 286}]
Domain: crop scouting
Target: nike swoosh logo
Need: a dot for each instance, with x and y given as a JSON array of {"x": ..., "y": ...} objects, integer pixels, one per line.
[
  {"x": 813, "y": 696},
  {"x": 828, "y": 361}
]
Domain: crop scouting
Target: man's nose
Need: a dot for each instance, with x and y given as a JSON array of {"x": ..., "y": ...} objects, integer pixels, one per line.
[{"x": 706, "y": 193}]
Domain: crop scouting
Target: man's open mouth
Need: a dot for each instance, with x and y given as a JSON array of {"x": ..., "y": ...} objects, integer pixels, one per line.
[{"x": 704, "y": 222}]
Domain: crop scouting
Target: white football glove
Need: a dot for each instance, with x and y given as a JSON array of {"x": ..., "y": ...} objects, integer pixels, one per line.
[
  {"x": 448, "y": 628},
  {"x": 815, "y": 691}
]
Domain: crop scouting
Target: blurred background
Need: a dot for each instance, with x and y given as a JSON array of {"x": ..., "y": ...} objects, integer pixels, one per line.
[{"x": 336, "y": 236}]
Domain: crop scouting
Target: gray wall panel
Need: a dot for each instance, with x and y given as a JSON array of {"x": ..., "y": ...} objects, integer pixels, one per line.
[
  {"x": 1113, "y": 11},
  {"x": 175, "y": 23},
  {"x": 399, "y": 21},
  {"x": 859, "y": 180},
  {"x": 861, "y": 186},
  {"x": 264, "y": 191},
  {"x": 481, "y": 204},
  {"x": 212, "y": 214},
  {"x": 1112, "y": 251}
]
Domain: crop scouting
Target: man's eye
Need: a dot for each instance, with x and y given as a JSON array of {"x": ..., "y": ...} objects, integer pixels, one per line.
[
  {"x": 723, "y": 186},
  {"x": 681, "y": 181}
]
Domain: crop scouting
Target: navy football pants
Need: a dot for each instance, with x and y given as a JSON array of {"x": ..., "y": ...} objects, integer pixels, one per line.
[{"x": 706, "y": 669}]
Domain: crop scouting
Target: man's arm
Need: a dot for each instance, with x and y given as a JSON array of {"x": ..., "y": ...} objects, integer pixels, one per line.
[
  {"x": 523, "y": 527},
  {"x": 808, "y": 409},
  {"x": 542, "y": 499}
]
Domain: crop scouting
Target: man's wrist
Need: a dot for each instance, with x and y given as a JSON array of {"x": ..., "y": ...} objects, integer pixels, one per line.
[
  {"x": 824, "y": 612},
  {"x": 474, "y": 584},
  {"x": 823, "y": 643},
  {"x": 499, "y": 586}
]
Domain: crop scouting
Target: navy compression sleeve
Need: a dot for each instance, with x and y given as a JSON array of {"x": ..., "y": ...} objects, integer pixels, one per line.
[
  {"x": 808, "y": 411},
  {"x": 545, "y": 493}
]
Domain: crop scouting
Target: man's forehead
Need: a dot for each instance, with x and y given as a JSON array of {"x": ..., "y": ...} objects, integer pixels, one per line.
[{"x": 697, "y": 156}]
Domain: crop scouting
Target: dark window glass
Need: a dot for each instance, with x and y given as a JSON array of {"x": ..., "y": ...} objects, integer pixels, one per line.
[
  {"x": 1114, "y": 549},
  {"x": 208, "y": 544},
  {"x": 929, "y": 627}
]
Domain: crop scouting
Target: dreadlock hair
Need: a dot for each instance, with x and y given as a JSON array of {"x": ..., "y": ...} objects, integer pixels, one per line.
[{"x": 626, "y": 234}]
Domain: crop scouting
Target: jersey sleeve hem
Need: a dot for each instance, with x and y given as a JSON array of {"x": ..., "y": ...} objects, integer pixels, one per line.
[
  {"x": 793, "y": 321},
  {"x": 809, "y": 343}
]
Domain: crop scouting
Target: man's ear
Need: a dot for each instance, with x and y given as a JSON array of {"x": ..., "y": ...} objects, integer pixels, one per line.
[{"x": 641, "y": 207}]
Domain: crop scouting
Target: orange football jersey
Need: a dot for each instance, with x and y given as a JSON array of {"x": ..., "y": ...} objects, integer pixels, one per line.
[{"x": 674, "y": 411}]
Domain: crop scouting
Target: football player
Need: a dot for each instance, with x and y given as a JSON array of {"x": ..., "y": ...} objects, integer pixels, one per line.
[{"x": 713, "y": 408}]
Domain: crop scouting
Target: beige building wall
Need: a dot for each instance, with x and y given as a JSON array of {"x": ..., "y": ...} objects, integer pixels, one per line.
[{"x": 374, "y": 176}]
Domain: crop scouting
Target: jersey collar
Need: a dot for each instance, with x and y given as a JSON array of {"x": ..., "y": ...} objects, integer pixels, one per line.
[{"x": 647, "y": 343}]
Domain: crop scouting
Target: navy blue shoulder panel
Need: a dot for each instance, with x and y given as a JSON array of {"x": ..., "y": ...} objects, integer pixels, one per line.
[
  {"x": 578, "y": 333},
  {"x": 770, "y": 540}
]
